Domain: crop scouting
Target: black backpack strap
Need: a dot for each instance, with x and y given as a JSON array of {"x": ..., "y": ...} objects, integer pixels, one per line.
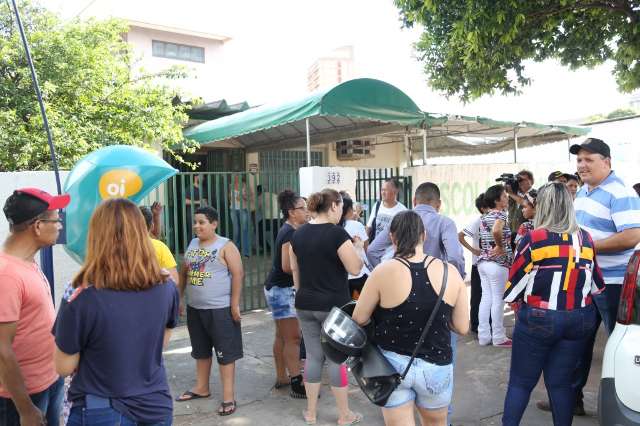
[{"x": 443, "y": 287}]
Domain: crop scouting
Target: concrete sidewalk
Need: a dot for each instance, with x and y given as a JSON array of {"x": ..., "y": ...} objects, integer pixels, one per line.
[{"x": 481, "y": 379}]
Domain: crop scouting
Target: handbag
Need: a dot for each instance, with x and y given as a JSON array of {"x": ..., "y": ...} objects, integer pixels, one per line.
[{"x": 375, "y": 375}]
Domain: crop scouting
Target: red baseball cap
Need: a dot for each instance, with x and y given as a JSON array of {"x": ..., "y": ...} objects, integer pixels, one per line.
[{"x": 27, "y": 203}]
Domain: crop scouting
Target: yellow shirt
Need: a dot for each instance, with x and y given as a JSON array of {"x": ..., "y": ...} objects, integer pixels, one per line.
[{"x": 163, "y": 254}]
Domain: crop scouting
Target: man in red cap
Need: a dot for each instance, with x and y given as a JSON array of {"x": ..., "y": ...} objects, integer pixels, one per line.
[{"x": 30, "y": 389}]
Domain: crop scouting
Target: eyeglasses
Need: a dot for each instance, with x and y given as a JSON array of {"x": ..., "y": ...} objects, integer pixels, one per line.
[
  {"x": 59, "y": 220},
  {"x": 300, "y": 208}
]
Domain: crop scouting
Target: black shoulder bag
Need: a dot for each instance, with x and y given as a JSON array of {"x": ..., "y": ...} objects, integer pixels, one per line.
[
  {"x": 372, "y": 230},
  {"x": 376, "y": 377}
]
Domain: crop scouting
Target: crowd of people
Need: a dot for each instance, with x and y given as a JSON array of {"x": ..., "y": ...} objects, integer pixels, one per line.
[{"x": 555, "y": 255}]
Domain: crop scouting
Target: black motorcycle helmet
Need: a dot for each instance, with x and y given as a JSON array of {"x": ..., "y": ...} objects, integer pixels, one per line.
[{"x": 340, "y": 336}]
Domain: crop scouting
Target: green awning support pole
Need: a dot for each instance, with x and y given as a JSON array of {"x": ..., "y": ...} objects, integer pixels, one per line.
[
  {"x": 407, "y": 149},
  {"x": 424, "y": 147},
  {"x": 569, "y": 147},
  {"x": 515, "y": 145},
  {"x": 306, "y": 122}
]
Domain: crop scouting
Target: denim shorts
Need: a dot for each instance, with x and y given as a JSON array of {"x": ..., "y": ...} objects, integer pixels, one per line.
[
  {"x": 429, "y": 385},
  {"x": 281, "y": 301}
]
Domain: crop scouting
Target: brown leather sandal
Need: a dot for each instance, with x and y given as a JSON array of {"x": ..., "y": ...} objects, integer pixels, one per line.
[{"x": 227, "y": 408}]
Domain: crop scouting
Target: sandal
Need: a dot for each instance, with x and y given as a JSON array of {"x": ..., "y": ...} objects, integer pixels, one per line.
[
  {"x": 223, "y": 410},
  {"x": 357, "y": 418},
  {"x": 308, "y": 420},
  {"x": 188, "y": 396},
  {"x": 280, "y": 385}
]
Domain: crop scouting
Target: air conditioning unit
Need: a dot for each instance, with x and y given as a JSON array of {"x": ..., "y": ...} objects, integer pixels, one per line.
[{"x": 354, "y": 149}]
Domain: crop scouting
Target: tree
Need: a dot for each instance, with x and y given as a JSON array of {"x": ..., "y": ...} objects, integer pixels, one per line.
[
  {"x": 474, "y": 47},
  {"x": 93, "y": 95},
  {"x": 616, "y": 113}
]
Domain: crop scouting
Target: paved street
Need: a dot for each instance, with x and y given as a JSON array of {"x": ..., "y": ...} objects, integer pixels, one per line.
[{"x": 480, "y": 386}]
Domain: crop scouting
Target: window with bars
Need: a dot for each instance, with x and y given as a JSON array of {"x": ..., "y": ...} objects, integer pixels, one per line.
[
  {"x": 288, "y": 161},
  {"x": 354, "y": 149},
  {"x": 279, "y": 169}
]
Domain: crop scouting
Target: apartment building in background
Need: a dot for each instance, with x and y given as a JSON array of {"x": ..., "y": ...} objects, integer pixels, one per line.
[{"x": 332, "y": 69}]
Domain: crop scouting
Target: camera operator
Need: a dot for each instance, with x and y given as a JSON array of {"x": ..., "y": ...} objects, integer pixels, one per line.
[{"x": 525, "y": 184}]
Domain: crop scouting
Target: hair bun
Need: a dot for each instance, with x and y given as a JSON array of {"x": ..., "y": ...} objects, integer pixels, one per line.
[{"x": 286, "y": 198}]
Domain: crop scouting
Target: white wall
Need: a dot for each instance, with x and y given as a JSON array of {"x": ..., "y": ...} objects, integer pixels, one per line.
[
  {"x": 384, "y": 155},
  {"x": 64, "y": 266},
  {"x": 461, "y": 184},
  {"x": 622, "y": 137},
  {"x": 206, "y": 79}
]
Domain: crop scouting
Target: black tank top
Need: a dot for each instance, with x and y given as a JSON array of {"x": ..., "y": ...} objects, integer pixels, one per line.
[{"x": 399, "y": 329}]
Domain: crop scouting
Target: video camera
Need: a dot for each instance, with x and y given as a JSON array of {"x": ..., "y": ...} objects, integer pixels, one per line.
[{"x": 510, "y": 180}]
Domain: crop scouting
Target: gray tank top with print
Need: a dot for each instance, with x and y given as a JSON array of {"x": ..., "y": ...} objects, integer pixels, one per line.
[{"x": 208, "y": 280}]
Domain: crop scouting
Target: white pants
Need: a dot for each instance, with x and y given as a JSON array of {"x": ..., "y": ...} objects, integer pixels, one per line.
[{"x": 493, "y": 278}]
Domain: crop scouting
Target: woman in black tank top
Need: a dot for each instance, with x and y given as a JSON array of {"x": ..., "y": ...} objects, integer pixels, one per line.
[{"x": 400, "y": 295}]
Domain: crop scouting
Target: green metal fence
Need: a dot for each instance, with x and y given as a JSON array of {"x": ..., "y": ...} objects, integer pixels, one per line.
[
  {"x": 369, "y": 183},
  {"x": 249, "y": 215}
]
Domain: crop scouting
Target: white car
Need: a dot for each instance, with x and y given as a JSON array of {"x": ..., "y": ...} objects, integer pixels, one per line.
[{"x": 619, "y": 400}]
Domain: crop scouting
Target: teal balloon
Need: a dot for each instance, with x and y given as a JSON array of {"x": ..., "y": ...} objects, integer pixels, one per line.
[{"x": 117, "y": 171}]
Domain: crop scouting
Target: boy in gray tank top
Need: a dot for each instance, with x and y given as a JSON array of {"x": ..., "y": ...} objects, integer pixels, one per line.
[
  {"x": 212, "y": 276},
  {"x": 208, "y": 279}
]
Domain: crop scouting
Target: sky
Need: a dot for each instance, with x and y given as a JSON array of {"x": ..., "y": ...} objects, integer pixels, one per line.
[{"x": 273, "y": 44}]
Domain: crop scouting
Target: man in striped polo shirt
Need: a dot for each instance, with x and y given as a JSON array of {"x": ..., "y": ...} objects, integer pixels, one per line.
[{"x": 610, "y": 212}]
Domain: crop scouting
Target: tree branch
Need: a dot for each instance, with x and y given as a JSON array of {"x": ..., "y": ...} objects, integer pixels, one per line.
[
  {"x": 164, "y": 73},
  {"x": 622, "y": 6}
]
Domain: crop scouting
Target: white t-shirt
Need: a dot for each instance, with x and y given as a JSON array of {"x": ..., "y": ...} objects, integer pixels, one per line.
[
  {"x": 473, "y": 230},
  {"x": 384, "y": 216},
  {"x": 357, "y": 229}
]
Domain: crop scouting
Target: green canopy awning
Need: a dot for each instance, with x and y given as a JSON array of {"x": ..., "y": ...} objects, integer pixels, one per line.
[
  {"x": 355, "y": 108},
  {"x": 459, "y": 135}
]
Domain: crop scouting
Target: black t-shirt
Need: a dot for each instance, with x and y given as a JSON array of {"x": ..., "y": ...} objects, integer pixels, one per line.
[
  {"x": 323, "y": 278},
  {"x": 277, "y": 277},
  {"x": 119, "y": 335}
]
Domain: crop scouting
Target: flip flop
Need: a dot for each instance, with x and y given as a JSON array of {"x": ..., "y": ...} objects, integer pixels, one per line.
[
  {"x": 308, "y": 420},
  {"x": 280, "y": 385},
  {"x": 190, "y": 396},
  {"x": 224, "y": 406},
  {"x": 357, "y": 418}
]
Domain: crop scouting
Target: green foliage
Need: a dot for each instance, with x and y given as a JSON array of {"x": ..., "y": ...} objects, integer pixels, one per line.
[
  {"x": 616, "y": 113},
  {"x": 621, "y": 112},
  {"x": 92, "y": 95},
  {"x": 475, "y": 47}
]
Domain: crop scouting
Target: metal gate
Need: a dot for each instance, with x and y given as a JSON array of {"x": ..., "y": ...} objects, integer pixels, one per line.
[
  {"x": 251, "y": 222},
  {"x": 369, "y": 183}
]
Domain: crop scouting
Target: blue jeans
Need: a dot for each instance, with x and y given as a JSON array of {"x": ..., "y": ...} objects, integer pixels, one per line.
[
  {"x": 549, "y": 342},
  {"x": 107, "y": 416},
  {"x": 607, "y": 304},
  {"x": 49, "y": 401},
  {"x": 240, "y": 219}
]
